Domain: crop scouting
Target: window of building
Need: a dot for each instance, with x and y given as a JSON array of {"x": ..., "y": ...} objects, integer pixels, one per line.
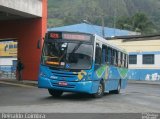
[
  {"x": 148, "y": 59},
  {"x": 132, "y": 59}
]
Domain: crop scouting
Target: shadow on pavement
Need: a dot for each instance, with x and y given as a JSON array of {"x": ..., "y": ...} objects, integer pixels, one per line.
[{"x": 75, "y": 97}]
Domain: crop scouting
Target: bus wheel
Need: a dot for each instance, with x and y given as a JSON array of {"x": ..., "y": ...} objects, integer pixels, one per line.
[
  {"x": 100, "y": 91},
  {"x": 55, "y": 93}
]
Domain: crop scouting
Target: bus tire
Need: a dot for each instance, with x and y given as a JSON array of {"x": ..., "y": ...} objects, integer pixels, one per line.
[
  {"x": 55, "y": 93},
  {"x": 100, "y": 91}
]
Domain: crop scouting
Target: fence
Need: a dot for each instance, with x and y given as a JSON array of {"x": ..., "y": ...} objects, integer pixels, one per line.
[{"x": 7, "y": 72}]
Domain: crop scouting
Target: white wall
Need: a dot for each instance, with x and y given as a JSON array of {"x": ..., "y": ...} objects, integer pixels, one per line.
[
  {"x": 7, "y": 61},
  {"x": 140, "y": 64}
]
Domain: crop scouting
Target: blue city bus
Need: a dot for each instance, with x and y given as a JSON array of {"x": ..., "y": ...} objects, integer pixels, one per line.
[{"x": 82, "y": 63}]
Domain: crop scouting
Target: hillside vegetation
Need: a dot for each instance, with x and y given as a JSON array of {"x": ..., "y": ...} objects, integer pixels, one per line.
[{"x": 65, "y": 12}]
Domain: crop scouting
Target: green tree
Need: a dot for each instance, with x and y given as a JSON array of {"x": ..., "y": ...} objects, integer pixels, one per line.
[
  {"x": 124, "y": 23},
  {"x": 139, "y": 22},
  {"x": 142, "y": 24}
]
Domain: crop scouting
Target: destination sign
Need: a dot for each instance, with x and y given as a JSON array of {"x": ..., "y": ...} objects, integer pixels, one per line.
[
  {"x": 55, "y": 35},
  {"x": 69, "y": 36}
]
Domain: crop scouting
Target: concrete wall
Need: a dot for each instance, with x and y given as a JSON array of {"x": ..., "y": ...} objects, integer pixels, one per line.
[
  {"x": 7, "y": 61},
  {"x": 144, "y": 74},
  {"x": 22, "y": 7},
  {"x": 27, "y": 32}
]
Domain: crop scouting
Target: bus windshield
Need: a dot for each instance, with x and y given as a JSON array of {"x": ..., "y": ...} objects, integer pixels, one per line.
[{"x": 67, "y": 55}]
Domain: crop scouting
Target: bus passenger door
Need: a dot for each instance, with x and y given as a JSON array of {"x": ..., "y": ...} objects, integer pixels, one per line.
[{"x": 97, "y": 64}]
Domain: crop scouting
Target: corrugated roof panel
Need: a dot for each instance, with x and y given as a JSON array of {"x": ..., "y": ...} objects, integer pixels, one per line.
[{"x": 94, "y": 29}]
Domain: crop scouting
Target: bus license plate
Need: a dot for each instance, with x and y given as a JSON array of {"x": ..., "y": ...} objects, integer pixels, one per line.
[{"x": 62, "y": 83}]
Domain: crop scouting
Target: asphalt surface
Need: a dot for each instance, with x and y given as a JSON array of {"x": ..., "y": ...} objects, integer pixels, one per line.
[{"x": 137, "y": 98}]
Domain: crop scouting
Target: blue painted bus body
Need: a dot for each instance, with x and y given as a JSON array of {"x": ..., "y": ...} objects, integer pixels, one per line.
[
  {"x": 85, "y": 81},
  {"x": 57, "y": 71}
]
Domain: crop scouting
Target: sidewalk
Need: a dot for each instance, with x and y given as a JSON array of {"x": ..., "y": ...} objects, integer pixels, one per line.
[
  {"x": 144, "y": 82},
  {"x": 24, "y": 82}
]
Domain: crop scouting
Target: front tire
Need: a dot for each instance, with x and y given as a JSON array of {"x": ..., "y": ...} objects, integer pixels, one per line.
[
  {"x": 100, "y": 91},
  {"x": 55, "y": 93}
]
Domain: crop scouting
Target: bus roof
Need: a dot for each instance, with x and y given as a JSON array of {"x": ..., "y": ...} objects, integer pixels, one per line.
[
  {"x": 110, "y": 44},
  {"x": 99, "y": 37}
]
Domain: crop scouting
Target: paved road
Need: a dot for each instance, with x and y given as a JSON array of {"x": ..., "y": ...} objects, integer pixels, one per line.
[{"x": 136, "y": 98}]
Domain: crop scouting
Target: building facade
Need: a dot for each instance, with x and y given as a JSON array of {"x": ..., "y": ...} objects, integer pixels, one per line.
[
  {"x": 26, "y": 22},
  {"x": 144, "y": 55}
]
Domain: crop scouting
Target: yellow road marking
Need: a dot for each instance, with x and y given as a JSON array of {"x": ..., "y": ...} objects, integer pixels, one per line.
[{"x": 20, "y": 85}]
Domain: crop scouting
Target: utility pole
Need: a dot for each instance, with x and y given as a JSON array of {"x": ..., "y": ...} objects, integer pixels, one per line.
[
  {"x": 115, "y": 14},
  {"x": 102, "y": 16},
  {"x": 102, "y": 20}
]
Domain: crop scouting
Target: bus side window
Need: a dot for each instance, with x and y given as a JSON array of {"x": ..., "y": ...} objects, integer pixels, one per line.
[
  {"x": 119, "y": 59},
  {"x": 112, "y": 56},
  {"x": 109, "y": 55},
  {"x": 98, "y": 55},
  {"x": 115, "y": 57},
  {"x": 123, "y": 60},
  {"x": 104, "y": 54},
  {"x": 126, "y": 61}
]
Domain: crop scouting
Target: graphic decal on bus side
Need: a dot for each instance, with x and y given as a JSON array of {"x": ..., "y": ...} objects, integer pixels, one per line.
[
  {"x": 105, "y": 71},
  {"x": 123, "y": 72},
  {"x": 101, "y": 71}
]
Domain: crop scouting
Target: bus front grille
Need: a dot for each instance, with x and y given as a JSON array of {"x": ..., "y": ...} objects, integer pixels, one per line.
[{"x": 67, "y": 75}]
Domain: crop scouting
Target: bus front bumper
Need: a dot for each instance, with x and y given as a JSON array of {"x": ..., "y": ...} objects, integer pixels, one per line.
[{"x": 81, "y": 86}]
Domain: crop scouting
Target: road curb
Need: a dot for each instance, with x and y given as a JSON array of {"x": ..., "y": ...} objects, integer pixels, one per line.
[{"x": 24, "y": 82}]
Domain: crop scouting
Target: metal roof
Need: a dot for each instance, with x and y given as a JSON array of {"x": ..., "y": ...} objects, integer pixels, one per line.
[{"x": 94, "y": 29}]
